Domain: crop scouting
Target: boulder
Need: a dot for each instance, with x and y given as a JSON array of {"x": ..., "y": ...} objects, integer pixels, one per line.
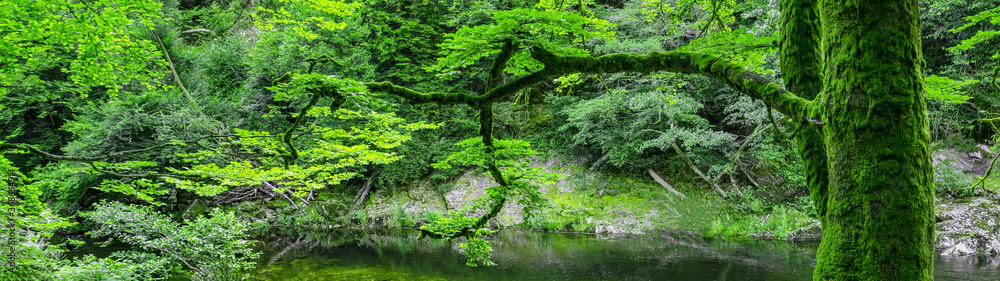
[
  {"x": 983, "y": 150},
  {"x": 969, "y": 227},
  {"x": 810, "y": 232}
]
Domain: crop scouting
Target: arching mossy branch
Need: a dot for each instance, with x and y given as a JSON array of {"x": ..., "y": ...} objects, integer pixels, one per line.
[
  {"x": 554, "y": 65},
  {"x": 739, "y": 78}
]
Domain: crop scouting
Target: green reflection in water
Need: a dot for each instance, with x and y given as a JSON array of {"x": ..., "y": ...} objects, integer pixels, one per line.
[
  {"x": 399, "y": 255},
  {"x": 393, "y": 255}
]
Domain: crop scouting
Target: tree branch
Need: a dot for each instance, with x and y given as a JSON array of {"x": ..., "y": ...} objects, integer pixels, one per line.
[
  {"x": 170, "y": 64},
  {"x": 743, "y": 80}
]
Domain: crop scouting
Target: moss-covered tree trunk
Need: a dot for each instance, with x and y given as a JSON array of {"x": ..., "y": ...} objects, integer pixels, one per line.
[{"x": 878, "y": 222}]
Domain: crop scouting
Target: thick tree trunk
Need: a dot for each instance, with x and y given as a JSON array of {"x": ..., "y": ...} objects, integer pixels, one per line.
[{"x": 879, "y": 219}]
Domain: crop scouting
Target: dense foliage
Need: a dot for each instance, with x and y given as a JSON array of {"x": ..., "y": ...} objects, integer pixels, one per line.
[{"x": 125, "y": 116}]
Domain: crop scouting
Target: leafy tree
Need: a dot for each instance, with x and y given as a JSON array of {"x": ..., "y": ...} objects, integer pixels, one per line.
[
  {"x": 56, "y": 54},
  {"x": 93, "y": 43},
  {"x": 948, "y": 41},
  {"x": 980, "y": 37}
]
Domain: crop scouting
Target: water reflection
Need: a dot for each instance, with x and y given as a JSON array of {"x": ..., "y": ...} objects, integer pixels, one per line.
[
  {"x": 398, "y": 255},
  {"x": 672, "y": 255}
]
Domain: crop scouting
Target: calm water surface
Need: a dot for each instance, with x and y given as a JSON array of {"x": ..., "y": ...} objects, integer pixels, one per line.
[{"x": 673, "y": 255}]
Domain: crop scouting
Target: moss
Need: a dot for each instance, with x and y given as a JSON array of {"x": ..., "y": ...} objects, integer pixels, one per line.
[
  {"x": 879, "y": 221},
  {"x": 679, "y": 62},
  {"x": 799, "y": 48},
  {"x": 802, "y": 74}
]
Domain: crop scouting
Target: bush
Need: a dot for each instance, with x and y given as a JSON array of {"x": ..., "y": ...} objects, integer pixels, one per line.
[
  {"x": 753, "y": 215},
  {"x": 400, "y": 218},
  {"x": 214, "y": 248},
  {"x": 127, "y": 265},
  {"x": 949, "y": 181}
]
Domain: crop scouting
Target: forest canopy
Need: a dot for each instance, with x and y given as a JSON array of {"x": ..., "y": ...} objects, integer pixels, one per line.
[{"x": 115, "y": 113}]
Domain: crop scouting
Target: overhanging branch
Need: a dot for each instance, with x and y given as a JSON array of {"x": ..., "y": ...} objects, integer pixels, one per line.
[{"x": 735, "y": 76}]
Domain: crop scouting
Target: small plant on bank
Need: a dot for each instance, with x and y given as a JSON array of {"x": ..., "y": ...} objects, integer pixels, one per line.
[
  {"x": 951, "y": 182},
  {"x": 431, "y": 215},
  {"x": 752, "y": 215}
]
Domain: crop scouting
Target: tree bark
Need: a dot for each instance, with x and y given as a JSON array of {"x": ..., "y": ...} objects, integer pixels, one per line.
[{"x": 879, "y": 213}]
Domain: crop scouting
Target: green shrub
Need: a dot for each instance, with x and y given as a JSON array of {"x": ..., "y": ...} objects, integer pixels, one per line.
[
  {"x": 949, "y": 181},
  {"x": 753, "y": 215},
  {"x": 214, "y": 248},
  {"x": 782, "y": 221},
  {"x": 127, "y": 265},
  {"x": 359, "y": 217},
  {"x": 400, "y": 218},
  {"x": 431, "y": 215}
]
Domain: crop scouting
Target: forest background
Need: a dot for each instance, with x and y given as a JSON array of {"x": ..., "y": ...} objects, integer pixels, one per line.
[{"x": 152, "y": 109}]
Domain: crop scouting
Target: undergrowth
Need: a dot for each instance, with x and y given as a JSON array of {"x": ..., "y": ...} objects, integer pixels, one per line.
[{"x": 751, "y": 215}]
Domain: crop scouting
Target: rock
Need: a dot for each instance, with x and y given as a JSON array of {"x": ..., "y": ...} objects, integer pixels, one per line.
[
  {"x": 969, "y": 227},
  {"x": 197, "y": 208},
  {"x": 976, "y": 154},
  {"x": 811, "y": 232},
  {"x": 968, "y": 162},
  {"x": 985, "y": 150},
  {"x": 958, "y": 250}
]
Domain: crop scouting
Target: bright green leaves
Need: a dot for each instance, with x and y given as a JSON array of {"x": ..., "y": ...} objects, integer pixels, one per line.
[
  {"x": 722, "y": 13},
  {"x": 478, "y": 249},
  {"x": 510, "y": 156},
  {"x": 450, "y": 226},
  {"x": 326, "y": 155},
  {"x": 25, "y": 221},
  {"x": 946, "y": 90},
  {"x": 306, "y": 18},
  {"x": 142, "y": 189},
  {"x": 312, "y": 155},
  {"x": 737, "y": 46},
  {"x": 993, "y": 16},
  {"x": 300, "y": 180},
  {"x": 300, "y": 86},
  {"x": 524, "y": 27},
  {"x": 96, "y": 43},
  {"x": 506, "y": 153},
  {"x": 507, "y": 159}
]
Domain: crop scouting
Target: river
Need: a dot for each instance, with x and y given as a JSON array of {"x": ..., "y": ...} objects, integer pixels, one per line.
[{"x": 520, "y": 255}]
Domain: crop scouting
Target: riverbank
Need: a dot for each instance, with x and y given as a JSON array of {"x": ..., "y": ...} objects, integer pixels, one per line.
[{"x": 610, "y": 204}]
